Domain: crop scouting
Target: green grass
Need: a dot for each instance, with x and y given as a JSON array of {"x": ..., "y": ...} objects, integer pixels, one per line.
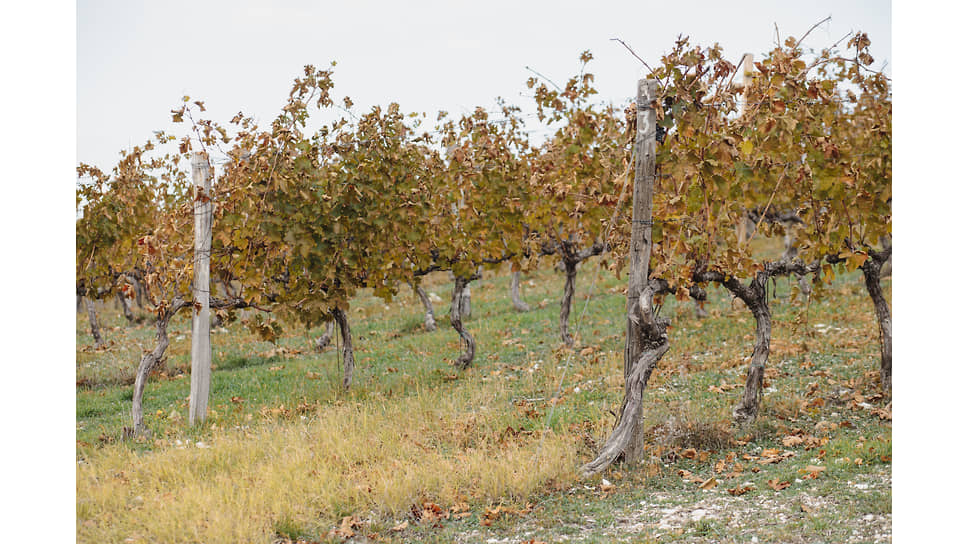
[{"x": 258, "y": 388}]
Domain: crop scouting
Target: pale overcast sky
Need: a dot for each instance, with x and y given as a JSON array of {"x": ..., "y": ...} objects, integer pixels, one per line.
[{"x": 135, "y": 59}]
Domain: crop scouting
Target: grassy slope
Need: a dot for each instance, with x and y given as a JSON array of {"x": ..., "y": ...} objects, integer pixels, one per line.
[{"x": 285, "y": 452}]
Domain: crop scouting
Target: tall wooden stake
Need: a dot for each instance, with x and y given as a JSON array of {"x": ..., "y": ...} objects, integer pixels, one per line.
[
  {"x": 641, "y": 241},
  {"x": 747, "y": 80},
  {"x": 646, "y": 341},
  {"x": 201, "y": 341}
]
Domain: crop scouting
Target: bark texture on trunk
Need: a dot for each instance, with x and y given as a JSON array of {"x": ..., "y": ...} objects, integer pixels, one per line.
[
  {"x": 652, "y": 343},
  {"x": 344, "y": 330},
  {"x": 95, "y": 328},
  {"x": 872, "y": 280},
  {"x": 571, "y": 257},
  {"x": 139, "y": 293},
  {"x": 519, "y": 305},
  {"x": 789, "y": 254},
  {"x": 701, "y": 310},
  {"x": 324, "y": 340},
  {"x": 571, "y": 271},
  {"x": 150, "y": 360},
  {"x": 467, "y": 341},
  {"x": 126, "y": 308},
  {"x": 430, "y": 323},
  {"x": 754, "y": 296},
  {"x": 465, "y": 302}
]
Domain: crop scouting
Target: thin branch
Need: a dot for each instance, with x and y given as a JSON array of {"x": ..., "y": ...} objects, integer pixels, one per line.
[
  {"x": 829, "y": 17},
  {"x": 539, "y": 74},
  {"x": 635, "y": 55}
]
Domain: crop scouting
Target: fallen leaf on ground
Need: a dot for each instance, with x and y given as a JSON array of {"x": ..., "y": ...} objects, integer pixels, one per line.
[
  {"x": 777, "y": 484},
  {"x": 737, "y": 491},
  {"x": 812, "y": 471}
]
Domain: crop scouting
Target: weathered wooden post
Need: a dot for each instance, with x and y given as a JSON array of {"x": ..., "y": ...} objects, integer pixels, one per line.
[
  {"x": 201, "y": 341},
  {"x": 747, "y": 80},
  {"x": 646, "y": 341},
  {"x": 640, "y": 246},
  {"x": 744, "y": 230}
]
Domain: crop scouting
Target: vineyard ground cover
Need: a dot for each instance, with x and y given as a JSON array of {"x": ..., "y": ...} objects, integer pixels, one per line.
[{"x": 451, "y": 438}]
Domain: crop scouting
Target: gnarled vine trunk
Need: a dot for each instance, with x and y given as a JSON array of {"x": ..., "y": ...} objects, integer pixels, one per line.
[
  {"x": 571, "y": 257},
  {"x": 150, "y": 360},
  {"x": 344, "y": 330},
  {"x": 126, "y": 308},
  {"x": 647, "y": 342},
  {"x": 324, "y": 340},
  {"x": 95, "y": 328},
  {"x": 571, "y": 271},
  {"x": 430, "y": 322},
  {"x": 465, "y": 302},
  {"x": 465, "y": 359},
  {"x": 872, "y": 280},
  {"x": 518, "y": 304},
  {"x": 754, "y": 296}
]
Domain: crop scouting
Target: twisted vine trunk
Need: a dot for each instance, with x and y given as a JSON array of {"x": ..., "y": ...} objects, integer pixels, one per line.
[
  {"x": 126, "y": 308},
  {"x": 465, "y": 302},
  {"x": 139, "y": 293},
  {"x": 789, "y": 254},
  {"x": 149, "y": 361},
  {"x": 344, "y": 330},
  {"x": 754, "y": 296},
  {"x": 647, "y": 341},
  {"x": 324, "y": 340},
  {"x": 95, "y": 328},
  {"x": 872, "y": 280},
  {"x": 465, "y": 359},
  {"x": 571, "y": 271},
  {"x": 430, "y": 323},
  {"x": 518, "y": 304}
]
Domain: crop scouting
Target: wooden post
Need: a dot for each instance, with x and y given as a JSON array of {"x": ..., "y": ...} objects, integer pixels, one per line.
[
  {"x": 640, "y": 246},
  {"x": 201, "y": 341},
  {"x": 744, "y": 229},
  {"x": 747, "y": 80},
  {"x": 646, "y": 340}
]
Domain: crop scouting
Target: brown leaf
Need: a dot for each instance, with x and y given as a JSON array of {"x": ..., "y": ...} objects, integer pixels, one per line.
[
  {"x": 708, "y": 484},
  {"x": 811, "y": 472},
  {"x": 346, "y": 527},
  {"x": 777, "y": 484},
  {"x": 401, "y": 526},
  {"x": 737, "y": 491}
]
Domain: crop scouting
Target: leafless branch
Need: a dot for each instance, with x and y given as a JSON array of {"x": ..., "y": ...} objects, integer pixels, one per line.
[
  {"x": 829, "y": 17},
  {"x": 635, "y": 55},
  {"x": 532, "y": 70}
]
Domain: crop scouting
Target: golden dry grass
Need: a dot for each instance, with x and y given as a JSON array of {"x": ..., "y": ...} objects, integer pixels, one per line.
[{"x": 378, "y": 457}]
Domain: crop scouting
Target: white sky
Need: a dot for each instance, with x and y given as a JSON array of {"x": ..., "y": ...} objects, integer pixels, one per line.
[
  {"x": 83, "y": 80},
  {"x": 135, "y": 60}
]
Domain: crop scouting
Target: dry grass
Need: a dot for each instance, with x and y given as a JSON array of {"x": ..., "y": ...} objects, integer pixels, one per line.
[{"x": 367, "y": 459}]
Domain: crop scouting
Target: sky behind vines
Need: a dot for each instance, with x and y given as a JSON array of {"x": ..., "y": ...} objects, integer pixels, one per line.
[{"x": 136, "y": 59}]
